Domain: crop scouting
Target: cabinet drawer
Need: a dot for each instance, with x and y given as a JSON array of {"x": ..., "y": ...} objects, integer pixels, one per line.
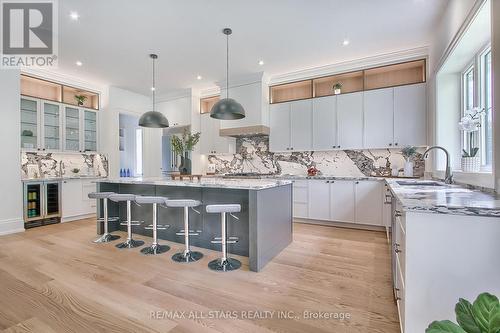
[{"x": 401, "y": 246}]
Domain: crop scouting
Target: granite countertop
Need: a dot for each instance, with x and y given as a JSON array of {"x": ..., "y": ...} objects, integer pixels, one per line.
[
  {"x": 445, "y": 199},
  {"x": 211, "y": 182}
]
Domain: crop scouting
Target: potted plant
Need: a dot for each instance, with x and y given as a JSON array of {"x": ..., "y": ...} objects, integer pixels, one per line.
[
  {"x": 337, "y": 88},
  {"x": 409, "y": 153},
  {"x": 470, "y": 124},
  {"x": 183, "y": 147},
  {"x": 483, "y": 316},
  {"x": 80, "y": 99}
]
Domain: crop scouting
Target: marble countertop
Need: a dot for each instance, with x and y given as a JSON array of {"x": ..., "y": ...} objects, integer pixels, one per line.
[
  {"x": 52, "y": 179},
  {"x": 211, "y": 182},
  {"x": 445, "y": 199}
]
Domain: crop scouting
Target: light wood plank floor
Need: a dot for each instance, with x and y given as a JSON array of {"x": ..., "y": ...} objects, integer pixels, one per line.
[{"x": 54, "y": 279}]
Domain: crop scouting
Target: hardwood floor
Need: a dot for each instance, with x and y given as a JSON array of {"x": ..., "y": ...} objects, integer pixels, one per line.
[{"x": 54, "y": 279}]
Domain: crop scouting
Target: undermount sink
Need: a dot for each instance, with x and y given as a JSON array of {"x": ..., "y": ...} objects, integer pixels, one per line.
[{"x": 419, "y": 183}]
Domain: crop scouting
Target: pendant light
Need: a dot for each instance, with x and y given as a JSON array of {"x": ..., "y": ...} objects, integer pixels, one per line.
[
  {"x": 227, "y": 108},
  {"x": 153, "y": 119}
]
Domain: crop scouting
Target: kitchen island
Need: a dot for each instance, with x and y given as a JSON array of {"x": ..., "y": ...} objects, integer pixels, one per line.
[{"x": 264, "y": 227}]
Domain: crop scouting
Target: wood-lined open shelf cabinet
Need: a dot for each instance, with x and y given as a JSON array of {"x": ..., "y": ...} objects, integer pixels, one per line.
[
  {"x": 411, "y": 72},
  {"x": 207, "y": 103},
  {"x": 56, "y": 92}
]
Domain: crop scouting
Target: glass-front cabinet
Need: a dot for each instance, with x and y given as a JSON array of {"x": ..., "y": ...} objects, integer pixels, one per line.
[
  {"x": 30, "y": 121},
  {"x": 52, "y": 126},
  {"x": 72, "y": 129},
  {"x": 90, "y": 130}
]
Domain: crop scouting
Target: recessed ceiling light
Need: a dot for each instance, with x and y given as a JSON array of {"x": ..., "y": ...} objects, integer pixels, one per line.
[
  {"x": 199, "y": 77},
  {"x": 74, "y": 16},
  {"x": 346, "y": 42},
  {"x": 261, "y": 62},
  {"x": 79, "y": 63}
]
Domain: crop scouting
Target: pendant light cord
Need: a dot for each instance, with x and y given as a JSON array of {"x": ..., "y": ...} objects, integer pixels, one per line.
[
  {"x": 227, "y": 66},
  {"x": 154, "y": 85}
]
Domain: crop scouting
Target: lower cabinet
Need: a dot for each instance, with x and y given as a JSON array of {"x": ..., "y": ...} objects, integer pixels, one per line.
[
  {"x": 346, "y": 201},
  {"x": 300, "y": 198},
  {"x": 75, "y": 201}
]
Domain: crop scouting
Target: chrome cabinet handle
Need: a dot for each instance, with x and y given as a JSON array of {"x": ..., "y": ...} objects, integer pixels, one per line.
[
  {"x": 390, "y": 144},
  {"x": 397, "y": 250},
  {"x": 396, "y": 144},
  {"x": 397, "y": 213}
]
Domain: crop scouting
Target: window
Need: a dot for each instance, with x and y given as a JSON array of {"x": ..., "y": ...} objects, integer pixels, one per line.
[
  {"x": 487, "y": 125},
  {"x": 477, "y": 92},
  {"x": 138, "y": 152}
]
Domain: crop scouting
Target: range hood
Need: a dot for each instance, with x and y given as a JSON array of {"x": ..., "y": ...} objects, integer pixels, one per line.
[
  {"x": 252, "y": 92},
  {"x": 237, "y": 132}
]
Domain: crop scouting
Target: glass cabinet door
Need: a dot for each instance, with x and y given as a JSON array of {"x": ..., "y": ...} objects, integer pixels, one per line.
[
  {"x": 29, "y": 124},
  {"x": 90, "y": 133},
  {"x": 51, "y": 126},
  {"x": 72, "y": 129}
]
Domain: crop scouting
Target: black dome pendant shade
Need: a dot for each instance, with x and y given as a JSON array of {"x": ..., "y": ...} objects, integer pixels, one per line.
[
  {"x": 227, "y": 108},
  {"x": 153, "y": 119}
]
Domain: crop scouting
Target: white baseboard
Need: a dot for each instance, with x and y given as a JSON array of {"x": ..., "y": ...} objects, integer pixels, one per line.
[
  {"x": 11, "y": 226},
  {"x": 77, "y": 217}
]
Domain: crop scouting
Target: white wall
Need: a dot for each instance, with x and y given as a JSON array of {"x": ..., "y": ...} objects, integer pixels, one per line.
[
  {"x": 11, "y": 204},
  {"x": 127, "y": 102}
]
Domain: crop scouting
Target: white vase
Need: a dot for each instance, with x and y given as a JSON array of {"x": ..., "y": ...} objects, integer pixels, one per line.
[
  {"x": 471, "y": 164},
  {"x": 336, "y": 91},
  {"x": 408, "y": 170}
]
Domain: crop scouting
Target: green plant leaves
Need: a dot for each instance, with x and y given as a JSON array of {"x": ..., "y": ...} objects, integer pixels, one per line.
[
  {"x": 486, "y": 312},
  {"x": 444, "y": 326},
  {"x": 474, "y": 151},
  {"x": 465, "y": 317}
]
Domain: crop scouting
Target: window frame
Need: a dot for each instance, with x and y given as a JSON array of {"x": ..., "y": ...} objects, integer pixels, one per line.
[{"x": 477, "y": 65}]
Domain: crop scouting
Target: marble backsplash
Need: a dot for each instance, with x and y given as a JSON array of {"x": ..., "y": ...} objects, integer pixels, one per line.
[
  {"x": 253, "y": 155},
  {"x": 51, "y": 165}
]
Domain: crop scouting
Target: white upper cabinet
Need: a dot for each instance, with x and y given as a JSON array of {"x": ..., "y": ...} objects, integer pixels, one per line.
[
  {"x": 301, "y": 125},
  {"x": 279, "y": 119},
  {"x": 350, "y": 120},
  {"x": 410, "y": 105},
  {"x": 342, "y": 201},
  {"x": 210, "y": 140},
  {"x": 378, "y": 118},
  {"x": 51, "y": 126},
  {"x": 369, "y": 202},
  {"x": 324, "y": 120},
  {"x": 177, "y": 111},
  {"x": 291, "y": 126}
]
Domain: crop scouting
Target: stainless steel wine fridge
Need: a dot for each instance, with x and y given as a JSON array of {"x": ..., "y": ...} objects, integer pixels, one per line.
[{"x": 42, "y": 203}]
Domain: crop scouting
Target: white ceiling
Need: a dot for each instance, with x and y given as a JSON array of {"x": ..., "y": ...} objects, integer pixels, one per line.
[{"x": 114, "y": 37}]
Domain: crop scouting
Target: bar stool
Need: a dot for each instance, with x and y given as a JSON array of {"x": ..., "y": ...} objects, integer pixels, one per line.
[
  {"x": 224, "y": 264},
  {"x": 187, "y": 255},
  {"x": 129, "y": 243},
  {"x": 106, "y": 236},
  {"x": 155, "y": 248}
]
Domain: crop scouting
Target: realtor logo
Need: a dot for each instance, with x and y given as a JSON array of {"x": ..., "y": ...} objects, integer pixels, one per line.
[{"x": 28, "y": 33}]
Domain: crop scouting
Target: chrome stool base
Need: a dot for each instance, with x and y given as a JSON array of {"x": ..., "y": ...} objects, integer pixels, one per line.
[
  {"x": 155, "y": 249},
  {"x": 190, "y": 256},
  {"x": 227, "y": 265},
  {"x": 130, "y": 244},
  {"x": 105, "y": 238}
]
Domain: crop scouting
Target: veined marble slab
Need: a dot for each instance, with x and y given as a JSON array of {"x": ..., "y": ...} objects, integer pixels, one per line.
[
  {"x": 446, "y": 199},
  {"x": 215, "y": 182}
]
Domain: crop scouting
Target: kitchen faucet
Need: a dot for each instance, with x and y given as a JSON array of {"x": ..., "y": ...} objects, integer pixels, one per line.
[{"x": 448, "y": 177}]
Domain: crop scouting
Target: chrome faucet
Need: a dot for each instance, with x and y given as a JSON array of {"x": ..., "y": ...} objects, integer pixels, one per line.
[{"x": 448, "y": 177}]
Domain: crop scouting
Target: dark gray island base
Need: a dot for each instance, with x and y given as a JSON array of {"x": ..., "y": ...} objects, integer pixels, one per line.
[{"x": 264, "y": 227}]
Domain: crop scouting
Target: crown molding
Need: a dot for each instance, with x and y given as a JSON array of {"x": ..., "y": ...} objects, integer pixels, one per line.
[
  {"x": 351, "y": 65},
  {"x": 65, "y": 79}
]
